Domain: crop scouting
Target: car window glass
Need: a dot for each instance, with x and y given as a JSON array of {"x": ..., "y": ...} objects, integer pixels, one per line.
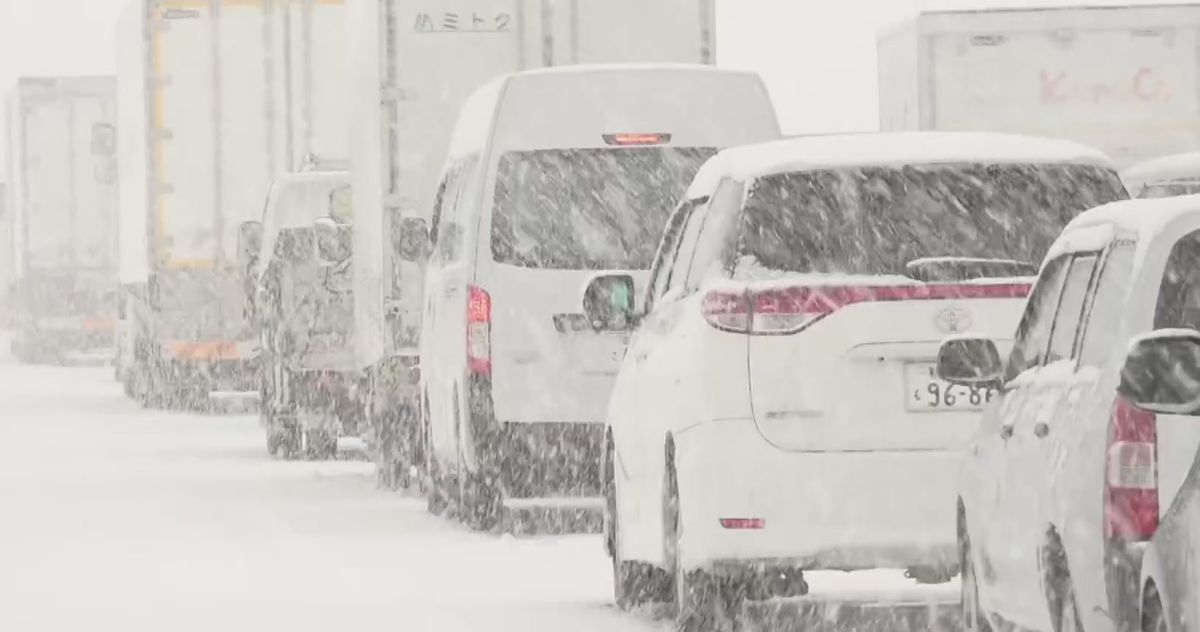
[
  {"x": 717, "y": 239},
  {"x": 660, "y": 271},
  {"x": 687, "y": 247},
  {"x": 1033, "y": 333},
  {"x": 1179, "y": 293},
  {"x": 1108, "y": 305},
  {"x": 1070, "y": 308}
]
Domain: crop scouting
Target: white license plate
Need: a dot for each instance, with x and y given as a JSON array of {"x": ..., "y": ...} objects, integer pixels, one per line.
[{"x": 924, "y": 392}]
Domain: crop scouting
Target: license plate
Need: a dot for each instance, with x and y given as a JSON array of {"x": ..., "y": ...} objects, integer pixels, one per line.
[{"x": 924, "y": 392}]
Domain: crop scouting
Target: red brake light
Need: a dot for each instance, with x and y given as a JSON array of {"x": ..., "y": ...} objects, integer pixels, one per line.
[
  {"x": 637, "y": 140},
  {"x": 479, "y": 325},
  {"x": 743, "y": 523},
  {"x": 790, "y": 310},
  {"x": 1131, "y": 474}
]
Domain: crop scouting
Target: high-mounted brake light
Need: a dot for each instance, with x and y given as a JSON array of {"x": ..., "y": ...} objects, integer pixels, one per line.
[
  {"x": 479, "y": 331},
  {"x": 743, "y": 523},
  {"x": 789, "y": 310},
  {"x": 637, "y": 139},
  {"x": 1131, "y": 474}
]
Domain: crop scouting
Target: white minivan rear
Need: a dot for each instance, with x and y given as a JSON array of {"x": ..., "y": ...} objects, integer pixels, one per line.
[{"x": 554, "y": 175}]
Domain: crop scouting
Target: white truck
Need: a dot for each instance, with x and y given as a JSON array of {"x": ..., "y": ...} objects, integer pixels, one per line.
[
  {"x": 217, "y": 99},
  {"x": 413, "y": 64},
  {"x": 1125, "y": 80},
  {"x": 62, "y": 200}
]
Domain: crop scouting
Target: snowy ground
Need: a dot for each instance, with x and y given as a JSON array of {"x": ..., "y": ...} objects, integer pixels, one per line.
[{"x": 117, "y": 518}]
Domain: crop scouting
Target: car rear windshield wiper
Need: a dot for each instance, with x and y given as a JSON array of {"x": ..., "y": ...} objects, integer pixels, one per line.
[{"x": 954, "y": 269}]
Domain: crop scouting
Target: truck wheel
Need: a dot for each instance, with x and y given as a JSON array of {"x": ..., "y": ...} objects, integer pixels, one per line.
[
  {"x": 320, "y": 445},
  {"x": 481, "y": 505}
]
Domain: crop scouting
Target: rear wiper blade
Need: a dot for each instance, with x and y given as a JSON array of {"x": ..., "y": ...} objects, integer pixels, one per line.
[{"x": 954, "y": 269}]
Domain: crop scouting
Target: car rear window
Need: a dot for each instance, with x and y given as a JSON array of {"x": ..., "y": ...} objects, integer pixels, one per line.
[
  {"x": 1169, "y": 189},
  {"x": 588, "y": 209},
  {"x": 966, "y": 220}
]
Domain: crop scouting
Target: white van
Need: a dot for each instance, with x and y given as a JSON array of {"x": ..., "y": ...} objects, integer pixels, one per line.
[{"x": 553, "y": 175}]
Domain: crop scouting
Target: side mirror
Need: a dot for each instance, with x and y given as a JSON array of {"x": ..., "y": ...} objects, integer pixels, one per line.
[
  {"x": 1162, "y": 372},
  {"x": 334, "y": 240},
  {"x": 968, "y": 361},
  {"x": 608, "y": 302},
  {"x": 412, "y": 241},
  {"x": 249, "y": 242}
]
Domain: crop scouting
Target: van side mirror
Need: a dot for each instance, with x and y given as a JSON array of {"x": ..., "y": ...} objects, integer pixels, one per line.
[
  {"x": 334, "y": 240},
  {"x": 1162, "y": 372},
  {"x": 412, "y": 241},
  {"x": 608, "y": 303},
  {"x": 249, "y": 241},
  {"x": 969, "y": 361}
]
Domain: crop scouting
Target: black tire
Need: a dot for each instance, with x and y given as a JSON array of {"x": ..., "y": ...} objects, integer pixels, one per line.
[
  {"x": 974, "y": 619},
  {"x": 703, "y": 602},
  {"x": 436, "y": 499},
  {"x": 320, "y": 445},
  {"x": 635, "y": 584},
  {"x": 1153, "y": 617},
  {"x": 1064, "y": 609},
  {"x": 481, "y": 505}
]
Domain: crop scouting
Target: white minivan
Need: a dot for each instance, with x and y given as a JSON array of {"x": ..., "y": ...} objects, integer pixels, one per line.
[{"x": 552, "y": 176}]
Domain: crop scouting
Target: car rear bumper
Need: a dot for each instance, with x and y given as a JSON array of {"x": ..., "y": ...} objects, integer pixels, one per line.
[{"x": 818, "y": 510}]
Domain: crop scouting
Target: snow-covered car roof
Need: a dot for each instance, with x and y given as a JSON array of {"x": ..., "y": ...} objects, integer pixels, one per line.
[
  {"x": 1166, "y": 168},
  {"x": 881, "y": 149}
]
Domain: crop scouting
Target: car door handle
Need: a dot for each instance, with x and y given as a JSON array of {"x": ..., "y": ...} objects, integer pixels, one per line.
[
  {"x": 1042, "y": 430},
  {"x": 1006, "y": 432}
]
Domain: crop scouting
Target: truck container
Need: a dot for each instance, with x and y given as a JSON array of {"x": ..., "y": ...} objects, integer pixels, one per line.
[
  {"x": 1125, "y": 80},
  {"x": 62, "y": 207},
  {"x": 412, "y": 65},
  {"x": 217, "y": 99}
]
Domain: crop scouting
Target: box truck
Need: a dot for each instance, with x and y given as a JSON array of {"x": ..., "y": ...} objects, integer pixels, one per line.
[
  {"x": 62, "y": 202},
  {"x": 413, "y": 64},
  {"x": 216, "y": 99},
  {"x": 1125, "y": 80}
]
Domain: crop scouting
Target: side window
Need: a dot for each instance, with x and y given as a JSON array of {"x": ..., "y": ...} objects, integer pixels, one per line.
[
  {"x": 439, "y": 204},
  {"x": 1070, "y": 308},
  {"x": 1108, "y": 305},
  {"x": 448, "y": 212},
  {"x": 687, "y": 247},
  {"x": 718, "y": 238},
  {"x": 1179, "y": 294},
  {"x": 1033, "y": 333},
  {"x": 660, "y": 271}
]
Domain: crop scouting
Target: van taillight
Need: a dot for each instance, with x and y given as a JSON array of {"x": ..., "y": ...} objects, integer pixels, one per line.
[
  {"x": 479, "y": 326},
  {"x": 790, "y": 310},
  {"x": 1131, "y": 474}
]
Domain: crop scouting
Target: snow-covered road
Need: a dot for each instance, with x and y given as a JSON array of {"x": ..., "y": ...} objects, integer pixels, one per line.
[{"x": 116, "y": 518}]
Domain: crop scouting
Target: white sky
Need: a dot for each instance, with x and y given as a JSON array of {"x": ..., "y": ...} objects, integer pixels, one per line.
[{"x": 818, "y": 56}]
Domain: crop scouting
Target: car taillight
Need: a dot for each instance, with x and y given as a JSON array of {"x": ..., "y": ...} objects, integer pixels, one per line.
[
  {"x": 790, "y": 310},
  {"x": 1131, "y": 474},
  {"x": 479, "y": 325}
]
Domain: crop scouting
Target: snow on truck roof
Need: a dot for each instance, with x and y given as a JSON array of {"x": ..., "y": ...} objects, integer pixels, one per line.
[
  {"x": 1144, "y": 217},
  {"x": 1164, "y": 169},
  {"x": 881, "y": 149}
]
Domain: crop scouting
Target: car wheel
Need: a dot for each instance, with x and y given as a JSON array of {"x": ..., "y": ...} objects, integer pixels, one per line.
[
  {"x": 703, "y": 601},
  {"x": 1153, "y": 618},
  {"x": 1064, "y": 610},
  {"x": 974, "y": 619},
  {"x": 481, "y": 505},
  {"x": 634, "y": 583}
]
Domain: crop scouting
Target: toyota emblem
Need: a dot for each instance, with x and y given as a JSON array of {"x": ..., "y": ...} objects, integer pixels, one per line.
[{"x": 952, "y": 320}]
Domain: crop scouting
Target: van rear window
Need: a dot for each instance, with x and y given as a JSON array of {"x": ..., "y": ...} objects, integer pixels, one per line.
[
  {"x": 934, "y": 222},
  {"x": 588, "y": 209}
]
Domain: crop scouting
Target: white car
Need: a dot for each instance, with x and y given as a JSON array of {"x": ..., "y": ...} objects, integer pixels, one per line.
[
  {"x": 553, "y": 175},
  {"x": 777, "y": 409},
  {"x": 1090, "y": 437}
]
